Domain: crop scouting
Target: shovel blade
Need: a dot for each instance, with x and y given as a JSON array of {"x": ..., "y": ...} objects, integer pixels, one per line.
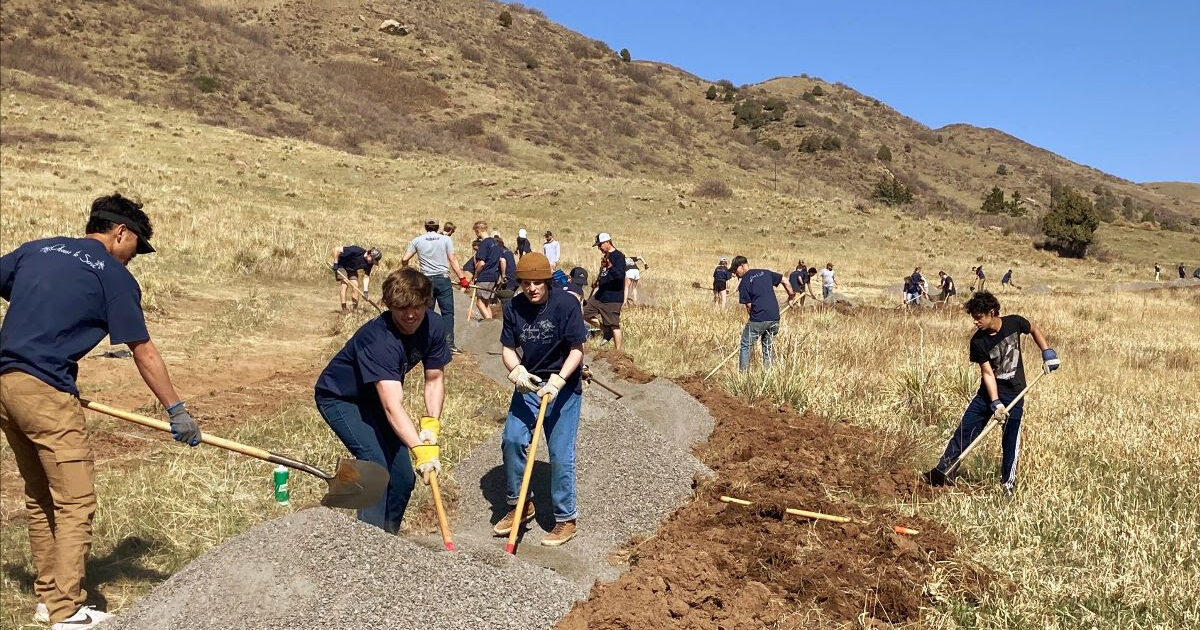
[{"x": 356, "y": 484}]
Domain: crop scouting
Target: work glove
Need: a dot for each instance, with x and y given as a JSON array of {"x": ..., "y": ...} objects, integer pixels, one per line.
[
  {"x": 552, "y": 386},
  {"x": 427, "y": 459},
  {"x": 429, "y": 429},
  {"x": 334, "y": 268},
  {"x": 1050, "y": 360},
  {"x": 183, "y": 427},
  {"x": 999, "y": 411},
  {"x": 464, "y": 283},
  {"x": 524, "y": 381}
]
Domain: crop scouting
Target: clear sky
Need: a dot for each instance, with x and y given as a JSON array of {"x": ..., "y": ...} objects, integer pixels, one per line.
[{"x": 1114, "y": 85}]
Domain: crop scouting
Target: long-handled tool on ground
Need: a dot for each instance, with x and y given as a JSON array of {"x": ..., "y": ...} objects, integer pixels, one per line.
[
  {"x": 530, "y": 455},
  {"x": 342, "y": 276},
  {"x": 591, "y": 378},
  {"x": 736, "y": 350},
  {"x": 443, "y": 522},
  {"x": 355, "y": 484},
  {"x": 820, "y": 516},
  {"x": 992, "y": 423},
  {"x": 471, "y": 308}
]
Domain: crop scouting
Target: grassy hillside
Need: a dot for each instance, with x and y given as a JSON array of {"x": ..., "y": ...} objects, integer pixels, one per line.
[{"x": 529, "y": 94}]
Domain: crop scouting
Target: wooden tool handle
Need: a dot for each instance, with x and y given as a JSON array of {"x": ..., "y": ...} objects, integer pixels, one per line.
[
  {"x": 153, "y": 423},
  {"x": 821, "y": 516},
  {"x": 443, "y": 522},
  {"x": 530, "y": 456}
]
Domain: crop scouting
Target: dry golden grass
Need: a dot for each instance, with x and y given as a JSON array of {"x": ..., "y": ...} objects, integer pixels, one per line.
[{"x": 1102, "y": 533}]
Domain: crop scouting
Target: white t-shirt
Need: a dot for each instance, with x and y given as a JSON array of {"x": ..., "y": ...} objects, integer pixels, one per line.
[
  {"x": 434, "y": 250},
  {"x": 826, "y": 277},
  {"x": 551, "y": 251}
]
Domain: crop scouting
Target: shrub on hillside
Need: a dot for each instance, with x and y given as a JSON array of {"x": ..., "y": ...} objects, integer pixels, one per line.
[
  {"x": 1070, "y": 224},
  {"x": 505, "y": 19},
  {"x": 811, "y": 144},
  {"x": 818, "y": 91},
  {"x": 892, "y": 191},
  {"x": 526, "y": 56},
  {"x": 163, "y": 59},
  {"x": 625, "y": 55},
  {"x": 808, "y": 97},
  {"x": 831, "y": 143},
  {"x": 711, "y": 94},
  {"x": 470, "y": 53},
  {"x": 712, "y": 188},
  {"x": 1002, "y": 170},
  {"x": 772, "y": 144},
  {"x": 800, "y": 123},
  {"x": 884, "y": 154}
]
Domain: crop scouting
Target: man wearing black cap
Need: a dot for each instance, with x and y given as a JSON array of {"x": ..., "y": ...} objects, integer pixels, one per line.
[
  {"x": 65, "y": 295},
  {"x": 437, "y": 261},
  {"x": 603, "y": 308},
  {"x": 346, "y": 262}
]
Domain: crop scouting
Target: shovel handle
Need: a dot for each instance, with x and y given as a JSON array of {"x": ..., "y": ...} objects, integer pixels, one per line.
[
  {"x": 992, "y": 423},
  {"x": 738, "y": 349},
  {"x": 342, "y": 276},
  {"x": 606, "y": 387},
  {"x": 211, "y": 440},
  {"x": 443, "y": 522},
  {"x": 530, "y": 456}
]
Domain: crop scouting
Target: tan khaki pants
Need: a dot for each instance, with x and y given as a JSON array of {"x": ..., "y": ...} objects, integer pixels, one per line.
[{"x": 45, "y": 428}]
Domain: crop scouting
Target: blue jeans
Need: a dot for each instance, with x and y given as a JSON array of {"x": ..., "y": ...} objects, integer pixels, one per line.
[
  {"x": 364, "y": 429},
  {"x": 443, "y": 292},
  {"x": 753, "y": 332},
  {"x": 826, "y": 291},
  {"x": 974, "y": 418},
  {"x": 560, "y": 426}
]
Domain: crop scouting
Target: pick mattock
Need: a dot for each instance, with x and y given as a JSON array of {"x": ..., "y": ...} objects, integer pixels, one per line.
[
  {"x": 530, "y": 455},
  {"x": 342, "y": 276},
  {"x": 443, "y": 522},
  {"x": 471, "y": 308},
  {"x": 992, "y": 423},
  {"x": 738, "y": 349},
  {"x": 355, "y": 484}
]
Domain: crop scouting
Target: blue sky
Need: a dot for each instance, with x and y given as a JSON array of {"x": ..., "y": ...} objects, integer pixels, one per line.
[{"x": 1115, "y": 85}]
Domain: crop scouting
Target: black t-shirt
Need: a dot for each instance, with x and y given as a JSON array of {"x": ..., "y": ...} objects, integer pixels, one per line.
[
  {"x": 947, "y": 283},
  {"x": 523, "y": 246},
  {"x": 796, "y": 280},
  {"x": 1003, "y": 350}
]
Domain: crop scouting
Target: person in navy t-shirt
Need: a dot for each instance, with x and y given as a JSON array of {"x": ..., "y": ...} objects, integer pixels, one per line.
[
  {"x": 756, "y": 290},
  {"x": 800, "y": 281},
  {"x": 346, "y": 262},
  {"x": 65, "y": 295},
  {"x": 360, "y": 394},
  {"x": 603, "y": 308},
  {"x": 720, "y": 287},
  {"x": 545, "y": 325},
  {"x": 508, "y": 270},
  {"x": 486, "y": 265}
]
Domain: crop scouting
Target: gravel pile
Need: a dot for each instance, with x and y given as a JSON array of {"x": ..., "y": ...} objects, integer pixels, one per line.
[
  {"x": 662, "y": 405},
  {"x": 319, "y": 570}
]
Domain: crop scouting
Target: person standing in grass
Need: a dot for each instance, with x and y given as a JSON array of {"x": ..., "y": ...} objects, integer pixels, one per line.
[
  {"x": 65, "y": 296},
  {"x": 486, "y": 270},
  {"x": 603, "y": 308},
  {"x": 633, "y": 276},
  {"x": 948, "y": 290},
  {"x": 546, "y": 326},
  {"x": 448, "y": 228},
  {"x": 522, "y": 243},
  {"x": 914, "y": 288},
  {"x": 1157, "y": 271},
  {"x": 980, "y": 279},
  {"x": 756, "y": 290},
  {"x": 435, "y": 254},
  {"x": 1182, "y": 272},
  {"x": 720, "y": 286},
  {"x": 996, "y": 348},
  {"x": 360, "y": 394},
  {"x": 828, "y": 281},
  {"x": 551, "y": 249},
  {"x": 1007, "y": 280},
  {"x": 508, "y": 270},
  {"x": 346, "y": 262}
]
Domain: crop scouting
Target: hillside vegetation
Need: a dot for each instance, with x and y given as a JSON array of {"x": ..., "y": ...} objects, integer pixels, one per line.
[{"x": 525, "y": 92}]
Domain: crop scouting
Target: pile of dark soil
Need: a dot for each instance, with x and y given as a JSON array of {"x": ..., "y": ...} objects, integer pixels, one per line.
[
  {"x": 623, "y": 366},
  {"x": 714, "y": 565}
]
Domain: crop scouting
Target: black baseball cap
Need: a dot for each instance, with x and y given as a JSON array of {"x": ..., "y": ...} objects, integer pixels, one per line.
[
  {"x": 579, "y": 276},
  {"x": 144, "y": 246}
]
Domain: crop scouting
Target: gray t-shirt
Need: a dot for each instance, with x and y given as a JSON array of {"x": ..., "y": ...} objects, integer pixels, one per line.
[
  {"x": 826, "y": 277},
  {"x": 434, "y": 250}
]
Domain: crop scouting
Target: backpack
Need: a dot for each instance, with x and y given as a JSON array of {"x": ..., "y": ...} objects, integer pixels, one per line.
[{"x": 560, "y": 278}]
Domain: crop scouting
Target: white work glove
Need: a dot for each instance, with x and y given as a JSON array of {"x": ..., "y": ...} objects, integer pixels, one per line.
[
  {"x": 999, "y": 411},
  {"x": 524, "y": 381},
  {"x": 552, "y": 386}
]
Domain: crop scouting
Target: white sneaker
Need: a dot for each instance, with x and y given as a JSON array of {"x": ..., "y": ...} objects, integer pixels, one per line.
[
  {"x": 85, "y": 617},
  {"x": 41, "y": 614}
]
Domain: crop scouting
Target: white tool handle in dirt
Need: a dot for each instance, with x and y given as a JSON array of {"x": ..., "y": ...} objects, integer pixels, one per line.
[{"x": 736, "y": 350}]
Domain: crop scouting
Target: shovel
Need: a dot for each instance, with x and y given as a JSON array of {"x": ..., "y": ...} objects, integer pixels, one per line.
[
  {"x": 355, "y": 484},
  {"x": 530, "y": 456},
  {"x": 342, "y": 276}
]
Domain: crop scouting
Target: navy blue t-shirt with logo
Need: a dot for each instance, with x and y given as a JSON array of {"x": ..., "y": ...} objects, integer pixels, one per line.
[
  {"x": 610, "y": 284},
  {"x": 510, "y": 270},
  {"x": 722, "y": 274},
  {"x": 1003, "y": 350},
  {"x": 545, "y": 333},
  {"x": 380, "y": 352},
  {"x": 757, "y": 289},
  {"x": 353, "y": 258},
  {"x": 487, "y": 258},
  {"x": 65, "y": 295},
  {"x": 797, "y": 280},
  {"x": 523, "y": 246}
]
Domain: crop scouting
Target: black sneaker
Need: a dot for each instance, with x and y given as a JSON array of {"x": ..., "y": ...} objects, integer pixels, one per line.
[{"x": 936, "y": 478}]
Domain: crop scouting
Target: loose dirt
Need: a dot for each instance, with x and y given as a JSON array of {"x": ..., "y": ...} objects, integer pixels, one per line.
[
  {"x": 623, "y": 366},
  {"x": 714, "y": 565}
]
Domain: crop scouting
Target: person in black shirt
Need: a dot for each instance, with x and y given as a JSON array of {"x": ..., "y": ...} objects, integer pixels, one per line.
[
  {"x": 720, "y": 286},
  {"x": 948, "y": 290},
  {"x": 346, "y": 262},
  {"x": 603, "y": 308},
  {"x": 801, "y": 282},
  {"x": 996, "y": 347}
]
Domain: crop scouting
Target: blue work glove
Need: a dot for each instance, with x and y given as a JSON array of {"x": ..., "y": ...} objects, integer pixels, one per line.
[
  {"x": 183, "y": 427},
  {"x": 1050, "y": 360},
  {"x": 999, "y": 411}
]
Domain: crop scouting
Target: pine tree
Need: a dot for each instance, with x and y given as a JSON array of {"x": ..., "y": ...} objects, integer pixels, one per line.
[
  {"x": 1070, "y": 223},
  {"x": 1016, "y": 207},
  {"x": 993, "y": 202},
  {"x": 625, "y": 55},
  {"x": 711, "y": 94}
]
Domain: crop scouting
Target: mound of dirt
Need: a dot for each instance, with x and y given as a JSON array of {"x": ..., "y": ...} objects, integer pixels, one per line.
[
  {"x": 717, "y": 565},
  {"x": 623, "y": 366}
]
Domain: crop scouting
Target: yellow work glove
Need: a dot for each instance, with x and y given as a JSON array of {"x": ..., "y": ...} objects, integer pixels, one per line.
[
  {"x": 427, "y": 459},
  {"x": 430, "y": 427}
]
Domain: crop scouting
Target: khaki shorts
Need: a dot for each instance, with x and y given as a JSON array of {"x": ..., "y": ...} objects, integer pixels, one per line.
[
  {"x": 608, "y": 312},
  {"x": 485, "y": 292}
]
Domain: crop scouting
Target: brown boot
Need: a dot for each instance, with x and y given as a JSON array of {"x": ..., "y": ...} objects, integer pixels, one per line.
[
  {"x": 504, "y": 527},
  {"x": 561, "y": 533}
]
